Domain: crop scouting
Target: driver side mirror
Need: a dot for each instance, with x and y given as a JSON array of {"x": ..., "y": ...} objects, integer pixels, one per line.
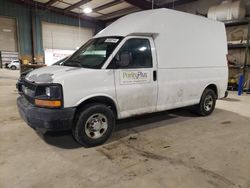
[{"x": 123, "y": 59}]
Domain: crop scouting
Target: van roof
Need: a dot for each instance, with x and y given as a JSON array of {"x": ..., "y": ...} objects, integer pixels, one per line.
[
  {"x": 181, "y": 39},
  {"x": 148, "y": 22}
]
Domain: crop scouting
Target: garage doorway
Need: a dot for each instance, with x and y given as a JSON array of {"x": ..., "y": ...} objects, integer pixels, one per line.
[
  {"x": 60, "y": 40},
  {"x": 8, "y": 41}
]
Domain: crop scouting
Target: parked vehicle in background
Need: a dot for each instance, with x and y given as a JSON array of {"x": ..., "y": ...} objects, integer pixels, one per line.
[
  {"x": 145, "y": 62},
  {"x": 15, "y": 64},
  {"x": 6, "y": 65}
]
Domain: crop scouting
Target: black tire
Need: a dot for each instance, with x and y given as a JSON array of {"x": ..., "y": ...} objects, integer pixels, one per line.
[
  {"x": 13, "y": 67},
  {"x": 82, "y": 128},
  {"x": 207, "y": 103},
  {"x": 226, "y": 94}
]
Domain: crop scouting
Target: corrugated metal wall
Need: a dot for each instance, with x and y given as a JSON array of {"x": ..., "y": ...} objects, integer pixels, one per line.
[{"x": 22, "y": 14}]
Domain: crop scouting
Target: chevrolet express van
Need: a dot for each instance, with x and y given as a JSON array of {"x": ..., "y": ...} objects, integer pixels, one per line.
[{"x": 145, "y": 62}]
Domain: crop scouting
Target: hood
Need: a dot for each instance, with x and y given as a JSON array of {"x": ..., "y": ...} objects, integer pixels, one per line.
[{"x": 47, "y": 74}]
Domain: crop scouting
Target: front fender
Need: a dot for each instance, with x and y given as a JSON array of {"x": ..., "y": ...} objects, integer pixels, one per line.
[{"x": 99, "y": 95}]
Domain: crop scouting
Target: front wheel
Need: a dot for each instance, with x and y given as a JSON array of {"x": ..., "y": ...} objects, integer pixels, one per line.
[
  {"x": 207, "y": 103},
  {"x": 93, "y": 125}
]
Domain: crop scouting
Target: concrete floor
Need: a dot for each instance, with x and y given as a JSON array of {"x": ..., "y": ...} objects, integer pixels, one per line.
[{"x": 174, "y": 149}]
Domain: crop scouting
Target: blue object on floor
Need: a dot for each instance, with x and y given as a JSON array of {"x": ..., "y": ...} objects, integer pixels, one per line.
[{"x": 240, "y": 85}]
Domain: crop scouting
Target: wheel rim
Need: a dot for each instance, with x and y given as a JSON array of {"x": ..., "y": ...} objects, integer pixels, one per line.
[
  {"x": 208, "y": 103},
  {"x": 96, "y": 126}
]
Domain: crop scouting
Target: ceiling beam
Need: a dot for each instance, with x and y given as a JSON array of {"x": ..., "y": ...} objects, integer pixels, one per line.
[
  {"x": 118, "y": 13},
  {"x": 110, "y": 4},
  {"x": 42, "y": 6},
  {"x": 51, "y": 2},
  {"x": 176, "y": 3},
  {"x": 145, "y": 5},
  {"x": 76, "y": 5},
  {"x": 142, "y": 4}
]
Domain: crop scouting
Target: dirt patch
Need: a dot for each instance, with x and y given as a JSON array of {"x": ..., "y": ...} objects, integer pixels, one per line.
[
  {"x": 214, "y": 175},
  {"x": 226, "y": 122},
  {"x": 230, "y": 100},
  {"x": 13, "y": 118},
  {"x": 105, "y": 153},
  {"x": 128, "y": 155}
]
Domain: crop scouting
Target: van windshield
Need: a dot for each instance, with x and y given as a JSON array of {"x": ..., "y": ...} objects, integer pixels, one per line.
[{"x": 94, "y": 53}]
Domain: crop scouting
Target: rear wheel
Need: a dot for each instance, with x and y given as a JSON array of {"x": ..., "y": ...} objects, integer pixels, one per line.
[
  {"x": 207, "y": 103},
  {"x": 93, "y": 125}
]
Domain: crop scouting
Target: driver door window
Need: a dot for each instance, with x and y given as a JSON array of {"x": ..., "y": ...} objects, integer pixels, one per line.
[{"x": 134, "y": 54}]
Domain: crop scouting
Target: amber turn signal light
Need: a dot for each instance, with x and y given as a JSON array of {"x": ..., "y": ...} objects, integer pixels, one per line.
[{"x": 48, "y": 103}]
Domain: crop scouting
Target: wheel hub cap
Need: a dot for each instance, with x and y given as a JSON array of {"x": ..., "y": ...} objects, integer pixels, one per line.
[
  {"x": 208, "y": 103},
  {"x": 96, "y": 126}
]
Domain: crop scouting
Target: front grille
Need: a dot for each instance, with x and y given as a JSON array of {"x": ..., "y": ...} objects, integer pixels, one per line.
[{"x": 29, "y": 90}]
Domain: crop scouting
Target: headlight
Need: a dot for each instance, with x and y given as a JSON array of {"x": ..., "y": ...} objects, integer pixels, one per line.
[
  {"x": 49, "y": 96},
  {"x": 47, "y": 91}
]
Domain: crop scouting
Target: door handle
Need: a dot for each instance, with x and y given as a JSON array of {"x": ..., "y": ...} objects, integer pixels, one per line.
[{"x": 154, "y": 75}]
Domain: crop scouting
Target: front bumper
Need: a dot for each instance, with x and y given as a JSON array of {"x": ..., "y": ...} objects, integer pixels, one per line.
[
  {"x": 19, "y": 86},
  {"x": 44, "y": 118}
]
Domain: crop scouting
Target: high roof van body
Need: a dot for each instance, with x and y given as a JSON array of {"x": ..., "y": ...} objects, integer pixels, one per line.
[{"x": 145, "y": 62}]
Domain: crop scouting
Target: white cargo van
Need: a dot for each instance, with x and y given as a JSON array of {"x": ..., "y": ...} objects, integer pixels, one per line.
[{"x": 145, "y": 62}]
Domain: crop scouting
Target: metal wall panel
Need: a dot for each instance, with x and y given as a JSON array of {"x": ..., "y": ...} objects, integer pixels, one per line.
[{"x": 21, "y": 14}]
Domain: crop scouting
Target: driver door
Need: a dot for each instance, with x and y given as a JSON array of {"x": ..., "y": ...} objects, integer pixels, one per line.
[{"x": 135, "y": 77}]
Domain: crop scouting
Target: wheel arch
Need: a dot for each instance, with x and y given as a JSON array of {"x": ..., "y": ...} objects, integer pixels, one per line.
[
  {"x": 213, "y": 87},
  {"x": 102, "y": 99}
]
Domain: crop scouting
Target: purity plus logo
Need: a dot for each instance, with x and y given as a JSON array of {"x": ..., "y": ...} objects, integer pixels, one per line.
[
  {"x": 135, "y": 75},
  {"x": 130, "y": 77}
]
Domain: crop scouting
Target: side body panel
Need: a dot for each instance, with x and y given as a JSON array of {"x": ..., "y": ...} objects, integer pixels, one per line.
[
  {"x": 135, "y": 98},
  {"x": 83, "y": 84},
  {"x": 136, "y": 91},
  {"x": 184, "y": 86}
]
